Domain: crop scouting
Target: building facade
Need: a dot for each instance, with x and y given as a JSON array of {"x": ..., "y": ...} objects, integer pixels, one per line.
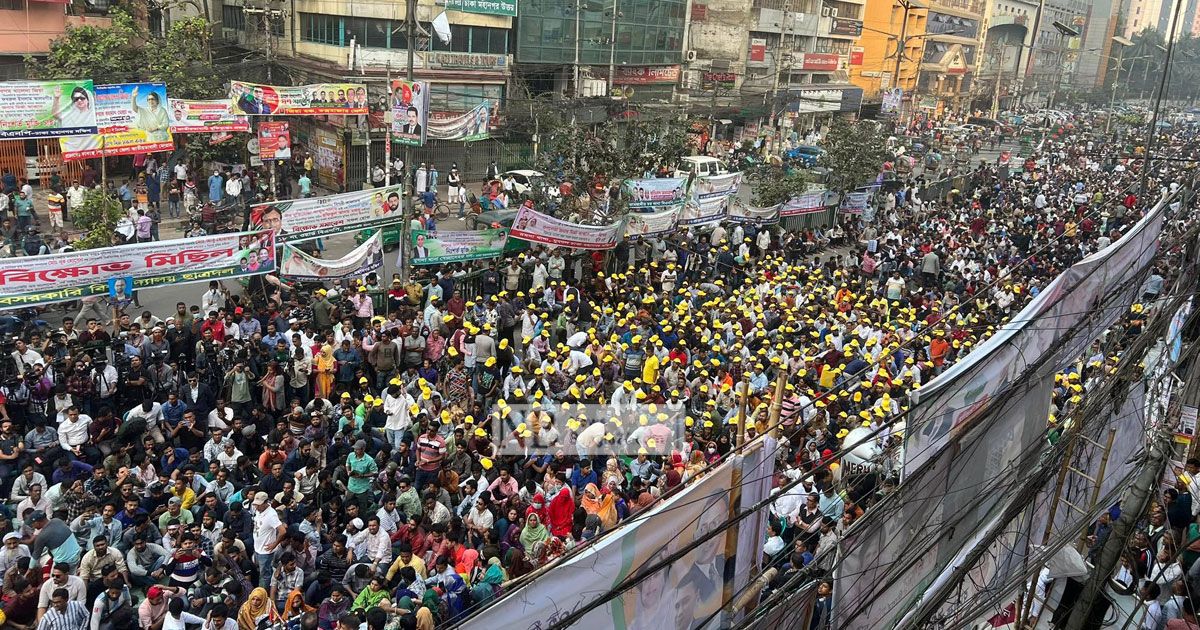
[
  {"x": 953, "y": 32},
  {"x": 884, "y": 31}
]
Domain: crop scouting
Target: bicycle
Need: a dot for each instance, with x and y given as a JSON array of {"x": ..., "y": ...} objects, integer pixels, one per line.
[{"x": 441, "y": 210}]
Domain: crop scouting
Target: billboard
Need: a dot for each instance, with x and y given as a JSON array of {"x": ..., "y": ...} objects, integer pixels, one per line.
[
  {"x": 468, "y": 127},
  {"x": 47, "y": 109},
  {"x": 131, "y": 118},
  {"x": 301, "y": 100},
  {"x": 300, "y": 219},
  {"x": 205, "y": 117}
]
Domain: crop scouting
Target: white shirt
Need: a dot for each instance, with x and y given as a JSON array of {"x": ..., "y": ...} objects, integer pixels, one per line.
[
  {"x": 397, "y": 410},
  {"x": 71, "y": 434},
  {"x": 233, "y": 187},
  {"x": 181, "y": 171},
  {"x": 266, "y": 531}
]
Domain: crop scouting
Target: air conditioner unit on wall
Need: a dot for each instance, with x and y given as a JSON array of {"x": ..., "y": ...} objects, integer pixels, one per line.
[{"x": 829, "y": 12}]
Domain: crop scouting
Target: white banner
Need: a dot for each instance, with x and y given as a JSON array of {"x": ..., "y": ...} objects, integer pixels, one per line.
[
  {"x": 469, "y": 127},
  {"x": 299, "y": 219},
  {"x": 807, "y": 203},
  {"x": 716, "y": 186},
  {"x": 205, "y": 117},
  {"x": 531, "y": 225},
  {"x": 740, "y": 212},
  {"x": 360, "y": 261},
  {"x": 649, "y": 224},
  {"x": 704, "y": 211},
  {"x": 653, "y": 193}
]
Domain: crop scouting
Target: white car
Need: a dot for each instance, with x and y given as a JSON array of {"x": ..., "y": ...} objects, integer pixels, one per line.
[{"x": 524, "y": 179}]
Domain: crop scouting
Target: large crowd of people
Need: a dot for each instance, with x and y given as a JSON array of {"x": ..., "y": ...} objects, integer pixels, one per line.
[{"x": 395, "y": 454}]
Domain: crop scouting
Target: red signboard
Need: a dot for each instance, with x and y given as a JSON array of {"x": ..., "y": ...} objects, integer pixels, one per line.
[
  {"x": 758, "y": 50},
  {"x": 699, "y": 12},
  {"x": 820, "y": 62},
  {"x": 856, "y": 57},
  {"x": 645, "y": 75}
]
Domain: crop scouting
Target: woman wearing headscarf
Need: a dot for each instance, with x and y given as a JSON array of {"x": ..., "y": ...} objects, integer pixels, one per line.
[
  {"x": 325, "y": 368},
  {"x": 454, "y": 598},
  {"x": 561, "y": 512},
  {"x": 257, "y": 609},
  {"x": 534, "y": 531},
  {"x": 374, "y": 595},
  {"x": 612, "y": 473},
  {"x": 696, "y": 464},
  {"x": 488, "y": 586},
  {"x": 593, "y": 502}
]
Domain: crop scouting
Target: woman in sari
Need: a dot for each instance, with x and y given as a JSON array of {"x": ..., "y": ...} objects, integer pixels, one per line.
[
  {"x": 696, "y": 463},
  {"x": 533, "y": 532},
  {"x": 561, "y": 512},
  {"x": 272, "y": 384},
  {"x": 612, "y": 473},
  {"x": 258, "y": 608},
  {"x": 593, "y": 502},
  {"x": 325, "y": 367}
]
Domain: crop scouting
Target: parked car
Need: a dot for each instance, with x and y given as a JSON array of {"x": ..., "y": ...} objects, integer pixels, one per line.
[
  {"x": 701, "y": 166},
  {"x": 525, "y": 179},
  {"x": 806, "y": 154}
]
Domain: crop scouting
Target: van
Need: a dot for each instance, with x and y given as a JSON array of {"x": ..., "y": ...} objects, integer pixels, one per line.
[{"x": 700, "y": 165}]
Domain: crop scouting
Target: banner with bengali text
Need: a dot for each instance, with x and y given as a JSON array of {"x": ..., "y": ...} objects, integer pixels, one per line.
[
  {"x": 700, "y": 212},
  {"x": 301, "y": 100},
  {"x": 31, "y": 280},
  {"x": 205, "y": 117},
  {"x": 445, "y": 246},
  {"x": 716, "y": 186},
  {"x": 652, "y": 193},
  {"x": 808, "y": 203},
  {"x": 301, "y": 219},
  {"x": 47, "y": 109},
  {"x": 469, "y": 127},
  {"x": 274, "y": 140},
  {"x": 650, "y": 224},
  {"x": 410, "y": 112},
  {"x": 740, "y": 212},
  {"x": 362, "y": 260},
  {"x": 131, "y": 118},
  {"x": 855, "y": 202},
  {"x": 531, "y": 225}
]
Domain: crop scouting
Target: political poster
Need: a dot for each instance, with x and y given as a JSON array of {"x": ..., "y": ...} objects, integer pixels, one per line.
[
  {"x": 741, "y": 212},
  {"x": 296, "y": 220},
  {"x": 300, "y": 100},
  {"x": 855, "y": 202},
  {"x": 32, "y": 280},
  {"x": 716, "y": 186},
  {"x": 469, "y": 127},
  {"x": 365, "y": 258},
  {"x": 205, "y": 117},
  {"x": 531, "y": 225},
  {"x": 47, "y": 109},
  {"x": 650, "y": 224},
  {"x": 891, "y": 100},
  {"x": 807, "y": 203},
  {"x": 700, "y": 212},
  {"x": 274, "y": 140},
  {"x": 410, "y": 112},
  {"x": 444, "y": 246},
  {"x": 131, "y": 118},
  {"x": 653, "y": 193}
]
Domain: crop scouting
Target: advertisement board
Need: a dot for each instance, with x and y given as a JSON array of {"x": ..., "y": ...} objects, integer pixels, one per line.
[
  {"x": 131, "y": 118},
  {"x": 47, "y": 109},
  {"x": 301, "y": 100},
  {"x": 205, "y": 117}
]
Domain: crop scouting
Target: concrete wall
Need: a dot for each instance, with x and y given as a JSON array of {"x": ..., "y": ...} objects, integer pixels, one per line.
[{"x": 29, "y": 31}]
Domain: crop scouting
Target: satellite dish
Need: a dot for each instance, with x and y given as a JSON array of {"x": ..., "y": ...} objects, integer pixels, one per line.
[{"x": 441, "y": 27}]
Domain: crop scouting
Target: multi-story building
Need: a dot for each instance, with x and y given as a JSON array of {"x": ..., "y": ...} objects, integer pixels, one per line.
[
  {"x": 1097, "y": 53},
  {"x": 27, "y": 28},
  {"x": 1141, "y": 15},
  {"x": 884, "y": 31},
  {"x": 953, "y": 32},
  {"x": 1009, "y": 33},
  {"x": 1053, "y": 57}
]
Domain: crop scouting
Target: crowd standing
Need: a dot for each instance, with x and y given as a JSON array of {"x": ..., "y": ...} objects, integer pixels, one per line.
[{"x": 397, "y": 454}]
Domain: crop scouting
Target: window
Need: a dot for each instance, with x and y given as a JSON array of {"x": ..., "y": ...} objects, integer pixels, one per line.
[
  {"x": 321, "y": 29},
  {"x": 12, "y": 5},
  {"x": 232, "y": 17}
]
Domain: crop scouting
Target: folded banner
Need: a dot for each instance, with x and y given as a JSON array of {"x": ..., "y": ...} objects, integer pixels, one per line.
[
  {"x": 740, "y": 212},
  {"x": 31, "y": 280},
  {"x": 299, "y": 100},
  {"x": 469, "y": 127},
  {"x": 47, "y": 109},
  {"x": 704, "y": 211},
  {"x": 301, "y": 219},
  {"x": 652, "y": 193},
  {"x": 361, "y": 260},
  {"x": 649, "y": 224},
  {"x": 205, "y": 117},
  {"x": 808, "y": 203},
  {"x": 531, "y": 225},
  {"x": 716, "y": 186},
  {"x": 433, "y": 248},
  {"x": 131, "y": 118}
]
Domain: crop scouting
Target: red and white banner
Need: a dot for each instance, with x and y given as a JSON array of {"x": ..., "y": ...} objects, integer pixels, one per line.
[{"x": 531, "y": 225}]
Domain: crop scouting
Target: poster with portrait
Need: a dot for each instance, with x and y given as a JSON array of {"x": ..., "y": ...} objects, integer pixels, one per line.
[
  {"x": 255, "y": 99},
  {"x": 410, "y": 112},
  {"x": 651, "y": 224},
  {"x": 365, "y": 258},
  {"x": 205, "y": 117},
  {"x": 469, "y": 127},
  {"x": 274, "y": 140},
  {"x": 296, "y": 220},
  {"x": 47, "y": 109},
  {"x": 445, "y": 246},
  {"x": 535, "y": 227},
  {"x": 651, "y": 193},
  {"x": 131, "y": 118}
]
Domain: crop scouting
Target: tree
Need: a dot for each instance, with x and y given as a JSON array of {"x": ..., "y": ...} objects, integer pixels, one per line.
[
  {"x": 96, "y": 218},
  {"x": 104, "y": 53},
  {"x": 775, "y": 184},
  {"x": 854, "y": 154},
  {"x": 183, "y": 60}
]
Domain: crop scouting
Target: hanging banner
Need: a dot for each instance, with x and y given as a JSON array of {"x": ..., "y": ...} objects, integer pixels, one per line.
[
  {"x": 205, "y": 117},
  {"x": 131, "y": 118},
  {"x": 892, "y": 100},
  {"x": 274, "y": 140},
  {"x": 648, "y": 224},
  {"x": 487, "y": 7},
  {"x": 410, "y": 112},
  {"x": 855, "y": 202},
  {"x": 808, "y": 203},
  {"x": 739, "y": 212},
  {"x": 654, "y": 193},
  {"x": 362, "y": 260},
  {"x": 434, "y": 248},
  {"x": 30, "y": 280},
  {"x": 301, "y": 219},
  {"x": 299, "y": 100},
  {"x": 47, "y": 109},
  {"x": 716, "y": 186},
  {"x": 705, "y": 211},
  {"x": 469, "y": 127},
  {"x": 531, "y": 225}
]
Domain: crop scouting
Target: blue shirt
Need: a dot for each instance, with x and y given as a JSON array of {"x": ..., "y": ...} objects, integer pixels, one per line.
[
  {"x": 216, "y": 188},
  {"x": 173, "y": 414},
  {"x": 77, "y": 470}
]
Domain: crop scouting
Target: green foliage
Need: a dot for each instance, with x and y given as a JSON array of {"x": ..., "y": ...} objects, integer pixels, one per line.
[
  {"x": 96, "y": 217},
  {"x": 105, "y": 54},
  {"x": 775, "y": 184},
  {"x": 854, "y": 154},
  {"x": 201, "y": 150},
  {"x": 182, "y": 60},
  {"x": 609, "y": 151}
]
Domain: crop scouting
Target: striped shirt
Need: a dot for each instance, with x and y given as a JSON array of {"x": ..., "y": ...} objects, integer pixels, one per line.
[{"x": 75, "y": 617}]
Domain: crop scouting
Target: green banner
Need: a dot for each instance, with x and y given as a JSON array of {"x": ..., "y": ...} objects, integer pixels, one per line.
[
  {"x": 490, "y": 7},
  {"x": 435, "y": 248}
]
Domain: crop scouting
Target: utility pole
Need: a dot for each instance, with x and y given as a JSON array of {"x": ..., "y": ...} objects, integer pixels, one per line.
[
  {"x": 902, "y": 42},
  {"x": 575, "y": 84},
  {"x": 775, "y": 57},
  {"x": 1037, "y": 24},
  {"x": 612, "y": 47},
  {"x": 387, "y": 123},
  {"x": 999, "y": 76},
  {"x": 410, "y": 23},
  {"x": 1112, "y": 101},
  {"x": 1162, "y": 88}
]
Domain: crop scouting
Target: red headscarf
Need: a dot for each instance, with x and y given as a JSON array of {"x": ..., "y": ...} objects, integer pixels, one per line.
[{"x": 561, "y": 513}]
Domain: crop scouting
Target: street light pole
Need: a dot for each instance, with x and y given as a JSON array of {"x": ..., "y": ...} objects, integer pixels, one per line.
[
  {"x": 612, "y": 47},
  {"x": 902, "y": 42},
  {"x": 410, "y": 23},
  {"x": 1112, "y": 101}
]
